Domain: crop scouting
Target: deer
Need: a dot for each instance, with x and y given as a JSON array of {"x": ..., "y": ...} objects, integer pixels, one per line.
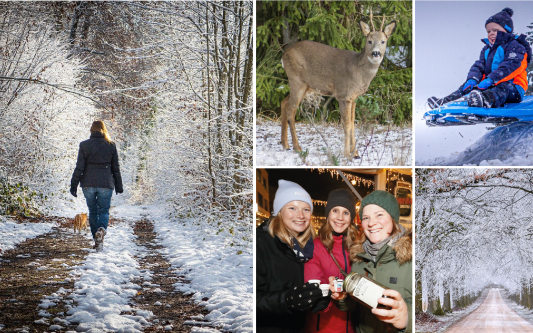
[{"x": 313, "y": 67}]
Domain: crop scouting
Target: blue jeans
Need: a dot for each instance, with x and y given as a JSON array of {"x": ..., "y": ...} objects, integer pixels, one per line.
[{"x": 98, "y": 201}]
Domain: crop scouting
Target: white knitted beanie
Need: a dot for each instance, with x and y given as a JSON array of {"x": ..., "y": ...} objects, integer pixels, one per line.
[{"x": 289, "y": 191}]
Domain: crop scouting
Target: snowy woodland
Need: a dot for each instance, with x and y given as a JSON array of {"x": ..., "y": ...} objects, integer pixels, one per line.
[
  {"x": 474, "y": 230},
  {"x": 173, "y": 83},
  {"x": 171, "y": 80}
]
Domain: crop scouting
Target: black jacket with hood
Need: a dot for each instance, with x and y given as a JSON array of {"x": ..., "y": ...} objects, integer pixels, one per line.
[
  {"x": 97, "y": 165},
  {"x": 278, "y": 270}
]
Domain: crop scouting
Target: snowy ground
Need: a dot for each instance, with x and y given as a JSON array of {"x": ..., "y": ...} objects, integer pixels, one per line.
[
  {"x": 524, "y": 312},
  {"x": 379, "y": 145},
  {"x": 441, "y": 323},
  {"x": 12, "y": 233},
  {"x": 217, "y": 272},
  {"x": 103, "y": 288},
  {"x": 218, "y": 269},
  {"x": 510, "y": 145}
]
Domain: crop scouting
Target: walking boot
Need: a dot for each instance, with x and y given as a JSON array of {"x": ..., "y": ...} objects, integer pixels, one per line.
[{"x": 99, "y": 239}]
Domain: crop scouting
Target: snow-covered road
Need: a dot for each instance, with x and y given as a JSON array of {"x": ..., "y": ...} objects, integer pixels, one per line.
[{"x": 493, "y": 316}]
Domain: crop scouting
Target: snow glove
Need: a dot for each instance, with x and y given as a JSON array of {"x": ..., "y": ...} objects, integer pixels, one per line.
[
  {"x": 322, "y": 304},
  {"x": 483, "y": 85},
  {"x": 469, "y": 84},
  {"x": 304, "y": 297}
]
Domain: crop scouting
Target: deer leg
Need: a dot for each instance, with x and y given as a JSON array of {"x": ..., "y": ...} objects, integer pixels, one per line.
[
  {"x": 353, "y": 148},
  {"x": 345, "y": 116},
  {"x": 284, "y": 122},
  {"x": 298, "y": 90},
  {"x": 289, "y": 106}
]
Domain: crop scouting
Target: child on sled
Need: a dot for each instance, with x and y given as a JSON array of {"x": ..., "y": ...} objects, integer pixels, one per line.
[{"x": 499, "y": 76}]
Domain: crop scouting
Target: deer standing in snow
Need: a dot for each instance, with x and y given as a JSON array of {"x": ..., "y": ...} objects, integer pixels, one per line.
[{"x": 328, "y": 71}]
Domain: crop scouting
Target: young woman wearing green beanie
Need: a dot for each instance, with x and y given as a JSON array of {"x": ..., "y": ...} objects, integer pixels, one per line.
[{"x": 383, "y": 252}]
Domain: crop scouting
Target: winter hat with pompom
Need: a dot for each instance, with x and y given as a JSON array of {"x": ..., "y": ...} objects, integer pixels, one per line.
[
  {"x": 289, "y": 191},
  {"x": 503, "y": 18}
]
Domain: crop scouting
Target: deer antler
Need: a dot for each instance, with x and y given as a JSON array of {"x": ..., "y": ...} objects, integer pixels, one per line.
[
  {"x": 372, "y": 21},
  {"x": 382, "y": 23}
]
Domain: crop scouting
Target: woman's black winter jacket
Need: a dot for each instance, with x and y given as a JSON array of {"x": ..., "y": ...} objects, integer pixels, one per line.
[
  {"x": 97, "y": 165},
  {"x": 278, "y": 270}
]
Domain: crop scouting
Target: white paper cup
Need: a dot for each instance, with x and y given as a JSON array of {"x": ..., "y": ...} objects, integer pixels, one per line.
[
  {"x": 325, "y": 289},
  {"x": 314, "y": 281}
]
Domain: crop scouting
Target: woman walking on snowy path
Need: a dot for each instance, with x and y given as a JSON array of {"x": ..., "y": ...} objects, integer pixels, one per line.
[{"x": 98, "y": 171}]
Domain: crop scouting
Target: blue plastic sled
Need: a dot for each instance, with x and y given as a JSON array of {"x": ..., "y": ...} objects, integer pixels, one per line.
[{"x": 459, "y": 113}]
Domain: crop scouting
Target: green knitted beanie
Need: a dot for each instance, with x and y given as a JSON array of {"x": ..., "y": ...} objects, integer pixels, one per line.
[{"x": 384, "y": 200}]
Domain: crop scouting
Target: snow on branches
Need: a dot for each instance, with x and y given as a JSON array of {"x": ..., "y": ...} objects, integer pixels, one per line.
[
  {"x": 43, "y": 115},
  {"x": 474, "y": 228}
]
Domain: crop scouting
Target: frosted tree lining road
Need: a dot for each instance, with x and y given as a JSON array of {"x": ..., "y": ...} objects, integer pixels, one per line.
[{"x": 492, "y": 316}]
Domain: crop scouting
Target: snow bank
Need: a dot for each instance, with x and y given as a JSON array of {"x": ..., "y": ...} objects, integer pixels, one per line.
[
  {"x": 12, "y": 233},
  {"x": 510, "y": 145},
  {"x": 379, "y": 146}
]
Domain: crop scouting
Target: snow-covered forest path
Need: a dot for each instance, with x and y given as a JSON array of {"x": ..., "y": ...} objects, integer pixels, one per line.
[
  {"x": 493, "y": 316},
  {"x": 57, "y": 282}
]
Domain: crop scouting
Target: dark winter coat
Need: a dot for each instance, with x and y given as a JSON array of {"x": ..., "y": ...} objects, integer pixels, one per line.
[
  {"x": 97, "y": 164},
  {"x": 506, "y": 60},
  {"x": 321, "y": 267},
  {"x": 393, "y": 269},
  {"x": 277, "y": 271}
]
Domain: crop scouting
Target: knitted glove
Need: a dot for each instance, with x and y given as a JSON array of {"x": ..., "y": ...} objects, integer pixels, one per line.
[
  {"x": 304, "y": 297},
  {"x": 483, "y": 85},
  {"x": 321, "y": 304},
  {"x": 469, "y": 85},
  {"x": 74, "y": 190}
]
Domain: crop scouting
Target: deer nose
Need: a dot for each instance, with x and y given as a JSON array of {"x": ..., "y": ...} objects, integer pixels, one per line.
[{"x": 376, "y": 54}]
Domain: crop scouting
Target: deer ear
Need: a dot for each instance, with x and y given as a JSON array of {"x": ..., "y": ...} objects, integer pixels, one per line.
[
  {"x": 389, "y": 28},
  {"x": 364, "y": 28}
]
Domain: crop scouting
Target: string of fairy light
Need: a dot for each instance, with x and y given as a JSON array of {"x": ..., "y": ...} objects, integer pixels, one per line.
[
  {"x": 392, "y": 176},
  {"x": 355, "y": 180}
]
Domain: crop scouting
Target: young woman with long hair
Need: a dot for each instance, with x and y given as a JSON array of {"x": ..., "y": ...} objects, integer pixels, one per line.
[
  {"x": 98, "y": 172},
  {"x": 335, "y": 237},
  {"x": 284, "y": 243}
]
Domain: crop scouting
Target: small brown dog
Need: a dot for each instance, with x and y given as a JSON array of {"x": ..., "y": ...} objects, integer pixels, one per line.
[{"x": 80, "y": 222}]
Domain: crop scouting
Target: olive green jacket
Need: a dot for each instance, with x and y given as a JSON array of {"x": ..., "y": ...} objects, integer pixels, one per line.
[{"x": 393, "y": 269}]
